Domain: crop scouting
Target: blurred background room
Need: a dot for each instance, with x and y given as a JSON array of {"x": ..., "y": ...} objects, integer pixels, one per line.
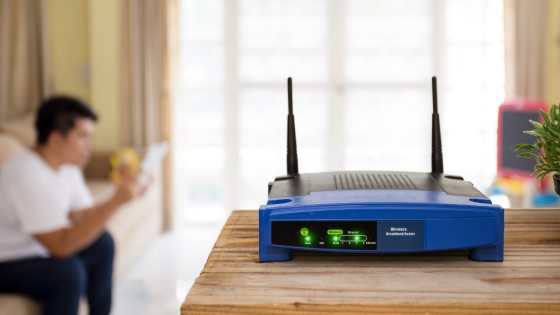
[{"x": 209, "y": 76}]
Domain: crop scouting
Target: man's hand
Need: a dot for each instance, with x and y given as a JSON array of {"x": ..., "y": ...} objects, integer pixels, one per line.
[{"x": 127, "y": 191}]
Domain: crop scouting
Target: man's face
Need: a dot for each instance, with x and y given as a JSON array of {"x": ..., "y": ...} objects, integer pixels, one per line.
[{"x": 75, "y": 147}]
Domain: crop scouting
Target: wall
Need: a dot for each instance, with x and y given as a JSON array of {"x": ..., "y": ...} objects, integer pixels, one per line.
[
  {"x": 69, "y": 47},
  {"x": 104, "y": 34},
  {"x": 84, "y": 52}
]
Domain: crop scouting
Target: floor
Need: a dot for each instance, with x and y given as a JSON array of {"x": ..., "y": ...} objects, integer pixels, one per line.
[{"x": 159, "y": 280}]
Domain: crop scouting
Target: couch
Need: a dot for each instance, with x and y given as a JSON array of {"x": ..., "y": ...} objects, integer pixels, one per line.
[{"x": 133, "y": 226}]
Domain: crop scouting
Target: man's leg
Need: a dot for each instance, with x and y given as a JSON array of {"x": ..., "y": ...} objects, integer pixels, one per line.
[
  {"x": 98, "y": 260},
  {"x": 57, "y": 284}
]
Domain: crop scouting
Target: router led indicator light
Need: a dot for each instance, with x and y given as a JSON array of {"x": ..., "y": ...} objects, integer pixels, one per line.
[{"x": 308, "y": 238}]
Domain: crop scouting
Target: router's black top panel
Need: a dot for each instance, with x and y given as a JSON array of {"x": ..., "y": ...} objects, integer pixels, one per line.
[{"x": 303, "y": 184}]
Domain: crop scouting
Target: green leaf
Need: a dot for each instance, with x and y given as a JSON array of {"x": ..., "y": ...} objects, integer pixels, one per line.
[
  {"x": 553, "y": 116},
  {"x": 547, "y": 151},
  {"x": 545, "y": 135},
  {"x": 539, "y": 134},
  {"x": 540, "y": 183},
  {"x": 554, "y": 131},
  {"x": 536, "y": 124},
  {"x": 544, "y": 171},
  {"x": 546, "y": 118},
  {"x": 547, "y": 168},
  {"x": 532, "y": 133},
  {"x": 528, "y": 155},
  {"x": 523, "y": 146},
  {"x": 538, "y": 171}
]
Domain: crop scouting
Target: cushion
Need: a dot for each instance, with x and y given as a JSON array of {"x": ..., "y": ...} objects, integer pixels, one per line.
[
  {"x": 10, "y": 147},
  {"x": 13, "y": 304},
  {"x": 23, "y": 129},
  {"x": 101, "y": 190}
]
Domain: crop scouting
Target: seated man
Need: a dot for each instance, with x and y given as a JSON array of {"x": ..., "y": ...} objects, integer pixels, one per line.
[{"x": 53, "y": 243}]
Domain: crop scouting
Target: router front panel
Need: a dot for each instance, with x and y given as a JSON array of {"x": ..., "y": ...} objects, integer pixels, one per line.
[
  {"x": 389, "y": 235},
  {"x": 386, "y": 235},
  {"x": 312, "y": 222}
]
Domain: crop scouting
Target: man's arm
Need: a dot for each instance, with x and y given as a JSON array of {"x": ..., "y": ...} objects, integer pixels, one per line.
[
  {"x": 65, "y": 242},
  {"x": 80, "y": 215}
]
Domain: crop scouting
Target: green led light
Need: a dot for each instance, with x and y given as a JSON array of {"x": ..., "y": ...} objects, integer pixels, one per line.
[
  {"x": 304, "y": 231},
  {"x": 357, "y": 238},
  {"x": 308, "y": 238},
  {"x": 335, "y": 238}
]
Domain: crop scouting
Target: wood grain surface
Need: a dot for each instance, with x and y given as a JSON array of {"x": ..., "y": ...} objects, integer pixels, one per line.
[{"x": 527, "y": 282}]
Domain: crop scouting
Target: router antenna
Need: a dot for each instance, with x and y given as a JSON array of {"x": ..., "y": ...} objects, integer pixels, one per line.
[
  {"x": 292, "y": 158},
  {"x": 437, "y": 156}
]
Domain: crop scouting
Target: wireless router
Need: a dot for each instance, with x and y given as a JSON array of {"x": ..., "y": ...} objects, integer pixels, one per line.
[{"x": 377, "y": 212}]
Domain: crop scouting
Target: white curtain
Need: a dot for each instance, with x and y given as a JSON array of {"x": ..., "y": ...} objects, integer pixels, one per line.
[
  {"x": 148, "y": 41},
  {"x": 23, "y": 57},
  {"x": 525, "y": 41},
  {"x": 144, "y": 71}
]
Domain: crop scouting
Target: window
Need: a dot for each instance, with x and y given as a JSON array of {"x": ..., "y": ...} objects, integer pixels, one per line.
[{"x": 362, "y": 97}]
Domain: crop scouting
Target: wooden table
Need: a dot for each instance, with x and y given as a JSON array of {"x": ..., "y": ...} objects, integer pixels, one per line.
[{"x": 527, "y": 282}]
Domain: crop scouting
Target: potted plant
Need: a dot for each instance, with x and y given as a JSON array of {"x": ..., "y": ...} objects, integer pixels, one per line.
[{"x": 547, "y": 148}]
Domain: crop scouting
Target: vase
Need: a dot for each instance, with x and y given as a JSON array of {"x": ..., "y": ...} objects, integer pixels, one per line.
[{"x": 556, "y": 179}]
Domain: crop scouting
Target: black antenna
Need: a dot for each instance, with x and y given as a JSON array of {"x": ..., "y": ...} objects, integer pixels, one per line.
[
  {"x": 292, "y": 146},
  {"x": 437, "y": 156}
]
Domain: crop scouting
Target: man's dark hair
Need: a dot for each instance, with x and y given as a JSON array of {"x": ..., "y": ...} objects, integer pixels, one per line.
[{"x": 59, "y": 114}]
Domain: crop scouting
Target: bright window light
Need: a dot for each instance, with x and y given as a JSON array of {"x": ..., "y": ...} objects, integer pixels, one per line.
[{"x": 362, "y": 98}]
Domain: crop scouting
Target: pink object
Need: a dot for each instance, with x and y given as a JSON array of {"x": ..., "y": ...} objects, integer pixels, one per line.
[{"x": 516, "y": 105}]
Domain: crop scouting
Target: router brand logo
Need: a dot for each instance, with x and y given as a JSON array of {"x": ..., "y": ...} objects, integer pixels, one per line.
[{"x": 398, "y": 229}]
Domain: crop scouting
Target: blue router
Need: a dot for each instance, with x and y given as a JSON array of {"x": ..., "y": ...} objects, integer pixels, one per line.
[{"x": 377, "y": 212}]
